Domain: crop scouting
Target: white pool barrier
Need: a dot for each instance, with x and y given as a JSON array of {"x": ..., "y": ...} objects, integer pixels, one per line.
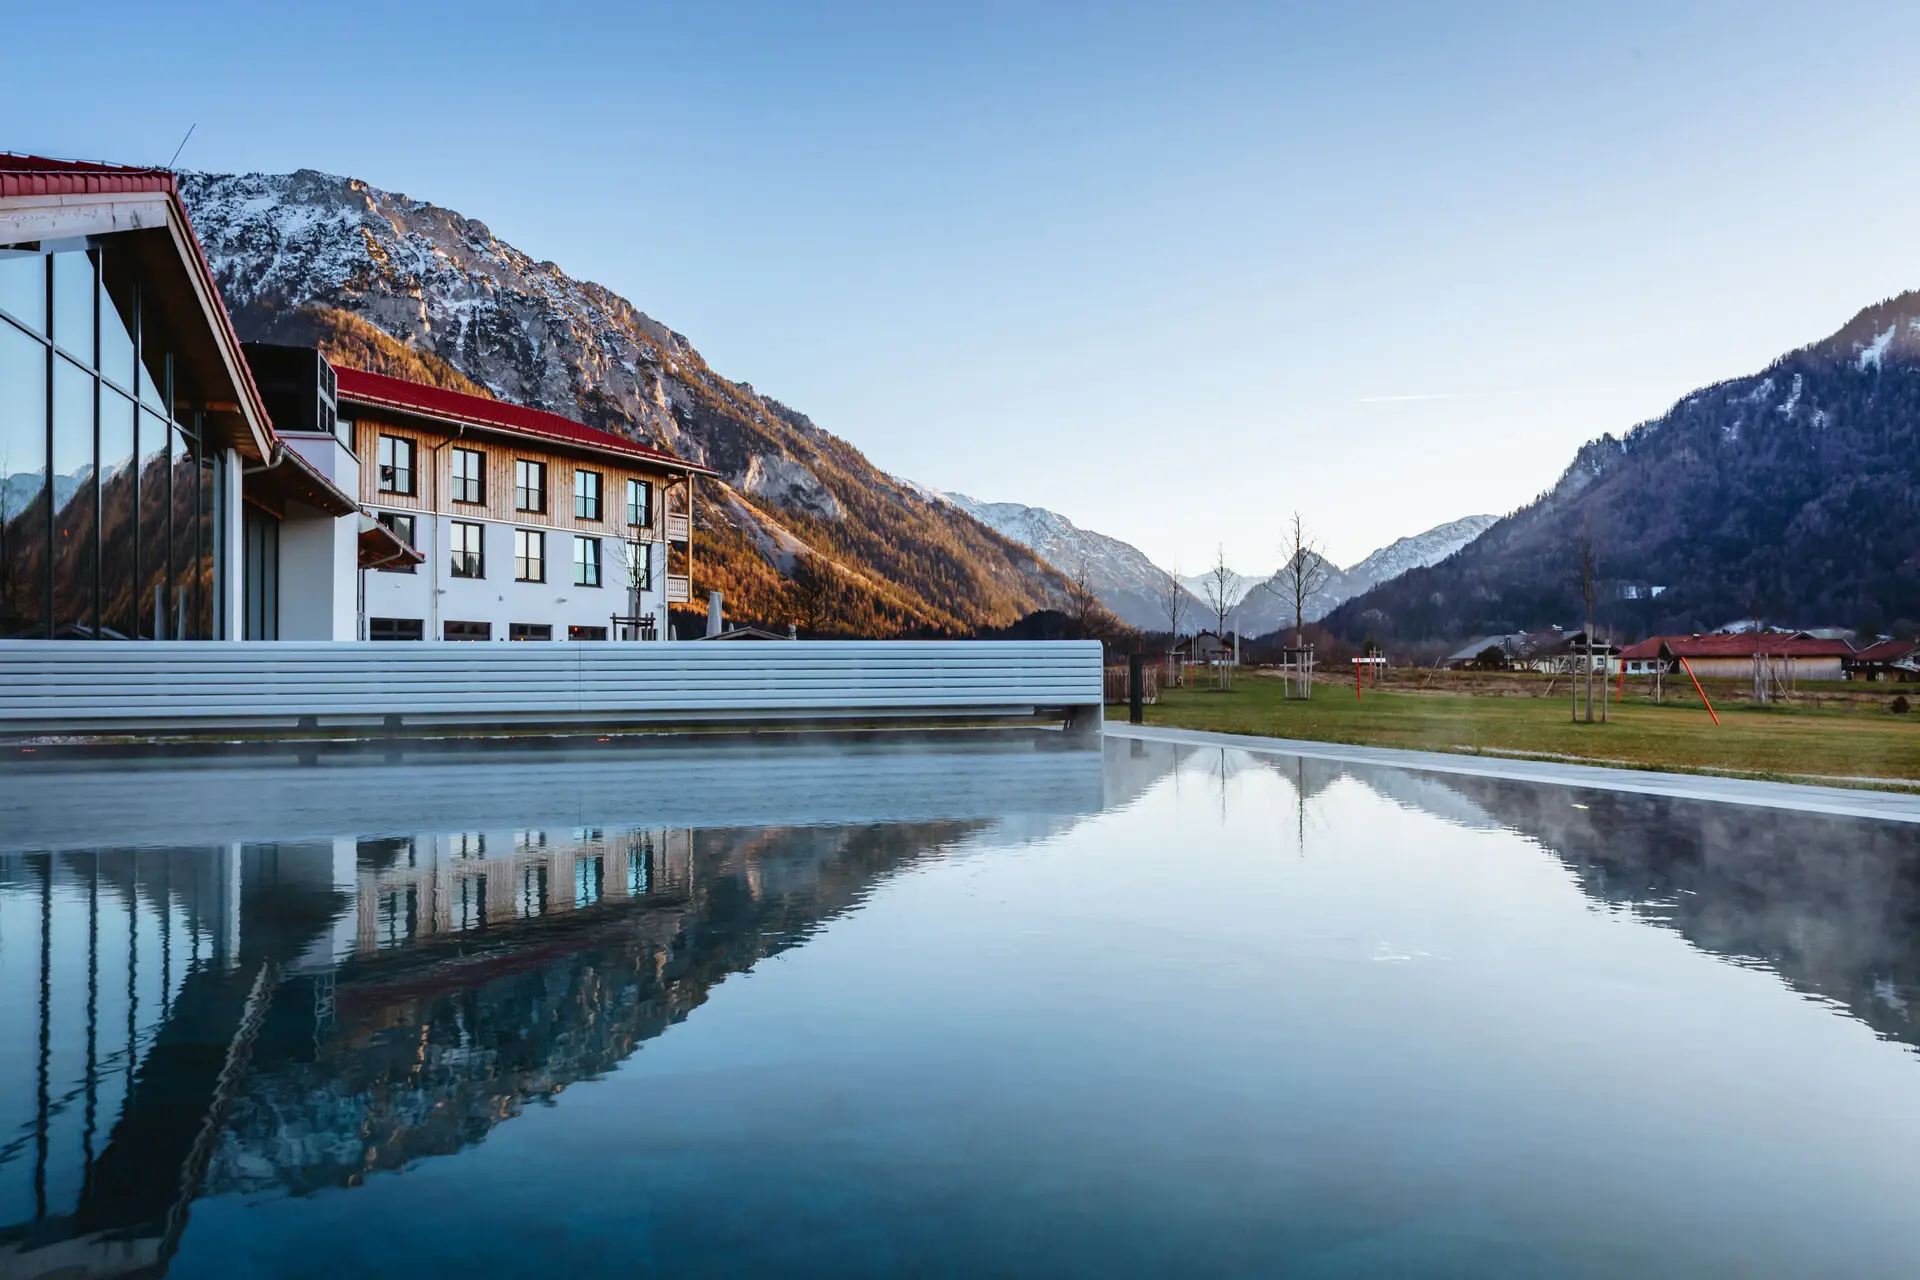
[{"x": 54, "y": 686}]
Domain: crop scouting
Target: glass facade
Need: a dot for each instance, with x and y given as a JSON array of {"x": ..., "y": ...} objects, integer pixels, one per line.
[{"x": 106, "y": 495}]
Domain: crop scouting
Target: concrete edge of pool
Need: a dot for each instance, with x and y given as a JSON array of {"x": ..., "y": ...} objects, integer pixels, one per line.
[{"x": 1888, "y": 806}]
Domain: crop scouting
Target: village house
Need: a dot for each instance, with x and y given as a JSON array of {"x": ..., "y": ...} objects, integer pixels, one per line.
[
  {"x": 1812, "y": 658},
  {"x": 1886, "y": 660}
]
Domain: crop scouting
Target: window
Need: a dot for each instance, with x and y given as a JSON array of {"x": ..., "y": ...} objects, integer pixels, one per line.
[
  {"x": 586, "y": 495},
  {"x": 396, "y": 629},
  {"x": 469, "y": 549},
  {"x": 529, "y": 485},
  {"x": 640, "y": 503},
  {"x": 402, "y": 526},
  {"x": 531, "y": 901},
  {"x": 640, "y": 566},
  {"x": 529, "y": 555},
  {"x": 586, "y": 562},
  {"x": 586, "y": 633},
  {"x": 589, "y": 881},
  {"x": 466, "y": 630},
  {"x": 529, "y": 631},
  {"x": 396, "y": 465},
  {"x": 469, "y": 903},
  {"x": 469, "y": 476},
  {"x": 640, "y": 865}
]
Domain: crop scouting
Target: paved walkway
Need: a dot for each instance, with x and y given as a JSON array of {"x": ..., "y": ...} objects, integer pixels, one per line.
[{"x": 1888, "y": 806}]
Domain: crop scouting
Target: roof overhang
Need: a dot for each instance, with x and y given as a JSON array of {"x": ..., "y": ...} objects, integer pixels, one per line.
[
  {"x": 142, "y": 210},
  {"x": 382, "y": 548},
  {"x": 290, "y": 477}
]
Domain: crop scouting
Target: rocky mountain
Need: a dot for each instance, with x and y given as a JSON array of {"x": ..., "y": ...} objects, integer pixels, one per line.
[
  {"x": 1268, "y": 608},
  {"x": 1119, "y": 573},
  {"x": 385, "y": 282},
  {"x": 1791, "y": 495}
]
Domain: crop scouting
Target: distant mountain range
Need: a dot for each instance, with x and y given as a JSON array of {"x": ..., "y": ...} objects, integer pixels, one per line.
[
  {"x": 384, "y": 282},
  {"x": 1131, "y": 585},
  {"x": 1792, "y": 495},
  {"x": 1119, "y": 573}
]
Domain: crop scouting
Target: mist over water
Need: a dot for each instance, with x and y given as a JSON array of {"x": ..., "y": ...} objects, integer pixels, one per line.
[{"x": 942, "y": 1008}]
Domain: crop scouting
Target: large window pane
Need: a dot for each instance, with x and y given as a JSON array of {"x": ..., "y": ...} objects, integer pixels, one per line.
[
  {"x": 119, "y": 518},
  {"x": 23, "y": 287},
  {"x": 73, "y": 304},
  {"x": 23, "y": 483},
  {"x": 155, "y": 370},
  {"x": 116, "y": 331},
  {"x": 156, "y": 502},
  {"x": 75, "y": 502},
  {"x": 206, "y": 628},
  {"x": 184, "y": 604}
]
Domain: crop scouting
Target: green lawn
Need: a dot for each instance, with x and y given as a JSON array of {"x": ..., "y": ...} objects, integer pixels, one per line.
[{"x": 1775, "y": 741}]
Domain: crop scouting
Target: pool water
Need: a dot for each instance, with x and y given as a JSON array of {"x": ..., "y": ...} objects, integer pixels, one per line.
[{"x": 943, "y": 1009}]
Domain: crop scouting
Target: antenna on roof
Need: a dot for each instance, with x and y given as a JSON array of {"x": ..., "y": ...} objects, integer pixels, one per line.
[{"x": 183, "y": 143}]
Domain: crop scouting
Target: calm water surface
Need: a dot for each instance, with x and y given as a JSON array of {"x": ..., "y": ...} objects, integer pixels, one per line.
[{"x": 942, "y": 1010}]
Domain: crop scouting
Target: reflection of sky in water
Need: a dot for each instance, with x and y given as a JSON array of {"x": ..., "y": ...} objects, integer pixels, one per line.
[{"x": 978, "y": 1011}]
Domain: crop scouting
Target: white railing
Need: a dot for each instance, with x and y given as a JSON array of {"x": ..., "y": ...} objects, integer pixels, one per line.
[
  {"x": 104, "y": 687},
  {"x": 679, "y": 590},
  {"x": 677, "y": 528}
]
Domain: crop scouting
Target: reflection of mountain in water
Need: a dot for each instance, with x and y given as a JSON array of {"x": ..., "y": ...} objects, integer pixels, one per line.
[
  {"x": 243, "y": 1017},
  {"x": 1831, "y": 904}
]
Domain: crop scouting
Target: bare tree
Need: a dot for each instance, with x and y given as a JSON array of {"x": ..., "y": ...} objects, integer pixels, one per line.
[
  {"x": 632, "y": 568},
  {"x": 1084, "y": 611},
  {"x": 1173, "y": 601},
  {"x": 1222, "y": 589},
  {"x": 1585, "y": 569},
  {"x": 1303, "y": 571},
  {"x": 813, "y": 596}
]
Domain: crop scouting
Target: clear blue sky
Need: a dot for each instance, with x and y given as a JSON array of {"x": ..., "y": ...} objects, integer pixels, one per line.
[{"x": 1171, "y": 270}]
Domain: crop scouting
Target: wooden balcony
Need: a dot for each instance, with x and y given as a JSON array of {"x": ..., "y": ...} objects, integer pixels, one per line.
[
  {"x": 679, "y": 590},
  {"x": 677, "y": 530}
]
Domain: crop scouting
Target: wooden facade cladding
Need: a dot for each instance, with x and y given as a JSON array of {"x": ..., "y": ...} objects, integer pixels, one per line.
[{"x": 433, "y": 469}]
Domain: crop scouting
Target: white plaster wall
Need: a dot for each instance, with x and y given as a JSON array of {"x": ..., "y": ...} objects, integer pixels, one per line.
[
  {"x": 432, "y": 595},
  {"x": 319, "y": 568}
]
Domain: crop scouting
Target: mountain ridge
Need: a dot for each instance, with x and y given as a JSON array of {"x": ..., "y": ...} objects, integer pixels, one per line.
[{"x": 1790, "y": 493}]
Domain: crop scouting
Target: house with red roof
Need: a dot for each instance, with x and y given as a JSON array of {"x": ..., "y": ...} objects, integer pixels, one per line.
[
  {"x": 1733, "y": 655},
  {"x": 1886, "y": 660}
]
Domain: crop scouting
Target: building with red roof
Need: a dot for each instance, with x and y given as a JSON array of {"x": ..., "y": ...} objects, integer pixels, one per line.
[
  {"x": 1886, "y": 660},
  {"x": 1733, "y": 654},
  {"x": 533, "y": 526}
]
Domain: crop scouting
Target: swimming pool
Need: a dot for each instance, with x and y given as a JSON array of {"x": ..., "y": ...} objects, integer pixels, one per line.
[{"x": 952, "y": 1007}]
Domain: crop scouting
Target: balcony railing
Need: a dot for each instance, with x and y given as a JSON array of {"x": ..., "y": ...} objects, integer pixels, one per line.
[
  {"x": 677, "y": 528},
  {"x": 679, "y": 590}
]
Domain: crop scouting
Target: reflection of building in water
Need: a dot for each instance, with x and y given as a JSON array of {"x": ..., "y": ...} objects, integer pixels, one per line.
[
  {"x": 298, "y": 1016},
  {"x": 424, "y": 887}
]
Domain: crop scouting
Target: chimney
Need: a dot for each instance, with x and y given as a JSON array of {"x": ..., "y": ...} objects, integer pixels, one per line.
[{"x": 713, "y": 613}]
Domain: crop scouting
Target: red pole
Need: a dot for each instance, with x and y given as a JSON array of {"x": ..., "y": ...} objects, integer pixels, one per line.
[{"x": 1697, "y": 689}]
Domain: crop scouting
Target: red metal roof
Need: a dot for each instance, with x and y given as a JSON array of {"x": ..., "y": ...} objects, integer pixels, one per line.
[
  {"x": 40, "y": 176},
  {"x": 381, "y": 391},
  {"x": 1886, "y": 651},
  {"x": 1641, "y": 652},
  {"x": 1747, "y": 643}
]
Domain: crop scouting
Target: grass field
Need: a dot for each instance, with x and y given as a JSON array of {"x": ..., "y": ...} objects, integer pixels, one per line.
[{"x": 1866, "y": 743}]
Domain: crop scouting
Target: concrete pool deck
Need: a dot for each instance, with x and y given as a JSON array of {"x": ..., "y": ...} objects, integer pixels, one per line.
[{"x": 1886, "y": 806}]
